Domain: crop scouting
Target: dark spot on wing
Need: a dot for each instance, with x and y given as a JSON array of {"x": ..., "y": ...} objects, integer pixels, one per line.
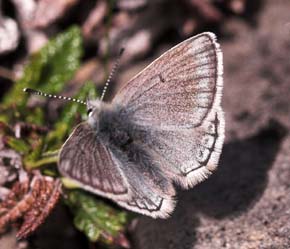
[{"x": 161, "y": 77}]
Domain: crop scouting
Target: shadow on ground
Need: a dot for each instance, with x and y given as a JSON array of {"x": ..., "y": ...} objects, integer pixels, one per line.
[{"x": 237, "y": 184}]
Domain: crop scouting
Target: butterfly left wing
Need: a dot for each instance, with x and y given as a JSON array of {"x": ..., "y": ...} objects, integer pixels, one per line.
[
  {"x": 101, "y": 168},
  {"x": 85, "y": 159}
]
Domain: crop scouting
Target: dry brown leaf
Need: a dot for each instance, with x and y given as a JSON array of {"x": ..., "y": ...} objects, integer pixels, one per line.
[
  {"x": 46, "y": 193},
  {"x": 15, "y": 205},
  {"x": 32, "y": 201}
]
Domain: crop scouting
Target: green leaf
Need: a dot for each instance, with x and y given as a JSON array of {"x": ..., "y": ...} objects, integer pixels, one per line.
[
  {"x": 70, "y": 183},
  {"x": 67, "y": 119},
  {"x": 18, "y": 145},
  {"x": 50, "y": 68},
  {"x": 97, "y": 220}
]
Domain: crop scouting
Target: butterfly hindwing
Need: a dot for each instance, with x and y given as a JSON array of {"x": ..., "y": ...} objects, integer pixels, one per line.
[
  {"x": 187, "y": 156},
  {"x": 151, "y": 192}
]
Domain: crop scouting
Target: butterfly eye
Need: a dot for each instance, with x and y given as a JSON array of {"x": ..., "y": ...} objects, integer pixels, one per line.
[{"x": 89, "y": 111}]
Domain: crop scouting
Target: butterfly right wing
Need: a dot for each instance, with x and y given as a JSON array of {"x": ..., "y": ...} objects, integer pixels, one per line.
[
  {"x": 187, "y": 156},
  {"x": 178, "y": 90},
  {"x": 176, "y": 102},
  {"x": 106, "y": 171}
]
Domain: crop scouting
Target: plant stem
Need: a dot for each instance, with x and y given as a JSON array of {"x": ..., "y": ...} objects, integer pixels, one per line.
[{"x": 42, "y": 162}]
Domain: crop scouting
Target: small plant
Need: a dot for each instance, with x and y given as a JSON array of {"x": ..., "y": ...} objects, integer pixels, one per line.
[{"x": 25, "y": 130}]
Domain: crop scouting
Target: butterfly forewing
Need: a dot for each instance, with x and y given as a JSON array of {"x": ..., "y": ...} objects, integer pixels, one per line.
[
  {"x": 179, "y": 89},
  {"x": 87, "y": 160}
]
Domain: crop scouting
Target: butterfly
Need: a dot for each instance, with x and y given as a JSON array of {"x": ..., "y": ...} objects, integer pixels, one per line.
[{"x": 165, "y": 127}]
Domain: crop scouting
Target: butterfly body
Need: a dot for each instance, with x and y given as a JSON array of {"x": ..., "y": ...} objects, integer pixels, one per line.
[
  {"x": 164, "y": 127},
  {"x": 110, "y": 123}
]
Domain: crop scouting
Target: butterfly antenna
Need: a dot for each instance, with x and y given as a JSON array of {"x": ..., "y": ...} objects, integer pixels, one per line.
[
  {"x": 112, "y": 73},
  {"x": 36, "y": 92}
]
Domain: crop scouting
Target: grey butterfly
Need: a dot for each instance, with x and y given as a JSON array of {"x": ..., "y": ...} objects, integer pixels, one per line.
[{"x": 164, "y": 127}]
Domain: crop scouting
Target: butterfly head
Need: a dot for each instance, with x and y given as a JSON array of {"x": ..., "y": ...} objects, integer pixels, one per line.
[{"x": 94, "y": 108}]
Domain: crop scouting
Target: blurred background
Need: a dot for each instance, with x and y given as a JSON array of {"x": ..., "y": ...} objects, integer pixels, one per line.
[{"x": 68, "y": 47}]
